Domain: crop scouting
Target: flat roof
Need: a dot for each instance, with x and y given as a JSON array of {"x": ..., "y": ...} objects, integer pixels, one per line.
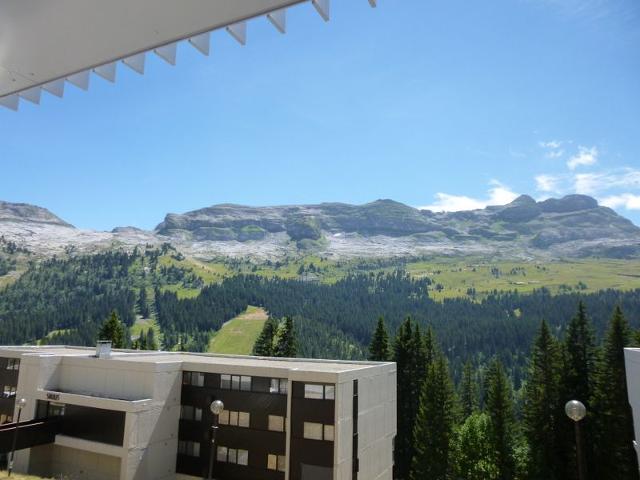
[{"x": 194, "y": 358}]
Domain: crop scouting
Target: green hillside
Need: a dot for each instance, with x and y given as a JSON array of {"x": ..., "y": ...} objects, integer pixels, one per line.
[{"x": 238, "y": 335}]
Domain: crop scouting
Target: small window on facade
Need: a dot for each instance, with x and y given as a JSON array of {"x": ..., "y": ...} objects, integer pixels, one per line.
[
  {"x": 225, "y": 382},
  {"x": 13, "y": 364},
  {"x": 193, "y": 378},
  {"x": 235, "y": 382},
  {"x": 232, "y": 455},
  {"x": 9, "y": 418},
  {"x": 233, "y": 418},
  {"x": 319, "y": 392},
  {"x": 189, "y": 448},
  {"x": 328, "y": 433},
  {"x": 278, "y": 385},
  {"x": 276, "y": 423},
  {"x": 243, "y": 457},
  {"x": 3, "y": 418},
  {"x": 223, "y": 419},
  {"x": 243, "y": 419},
  {"x": 276, "y": 462},
  {"x": 222, "y": 454},
  {"x": 187, "y": 412},
  {"x": 312, "y": 431},
  {"x": 245, "y": 384},
  {"x": 329, "y": 392},
  {"x": 313, "y": 391},
  {"x": 282, "y": 463}
]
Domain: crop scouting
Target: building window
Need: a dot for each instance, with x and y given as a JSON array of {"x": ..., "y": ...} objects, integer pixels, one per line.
[
  {"x": 13, "y": 364},
  {"x": 276, "y": 462},
  {"x": 193, "y": 378},
  {"x": 328, "y": 433},
  {"x": 276, "y": 423},
  {"x": 191, "y": 449},
  {"x": 233, "y": 455},
  {"x": 187, "y": 412},
  {"x": 235, "y": 419},
  {"x": 318, "y": 431},
  {"x": 279, "y": 385},
  {"x": 235, "y": 382},
  {"x": 319, "y": 392},
  {"x": 9, "y": 391}
]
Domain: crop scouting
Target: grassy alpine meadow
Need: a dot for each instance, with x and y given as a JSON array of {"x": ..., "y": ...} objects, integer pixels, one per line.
[
  {"x": 476, "y": 279},
  {"x": 238, "y": 335}
]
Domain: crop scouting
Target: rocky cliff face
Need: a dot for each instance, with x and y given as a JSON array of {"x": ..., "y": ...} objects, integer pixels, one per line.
[
  {"x": 571, "y": 226},
  {"x": 25, "y": 213}
]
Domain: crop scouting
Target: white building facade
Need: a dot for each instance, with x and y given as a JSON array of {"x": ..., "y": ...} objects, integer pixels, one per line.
[{"x": 145, "y": 415}]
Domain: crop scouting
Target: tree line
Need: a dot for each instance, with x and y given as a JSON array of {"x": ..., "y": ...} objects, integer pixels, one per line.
[{"x": 486, "y": 429}]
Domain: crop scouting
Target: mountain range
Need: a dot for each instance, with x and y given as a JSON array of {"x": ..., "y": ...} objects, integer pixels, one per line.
[{"x": 572, "y": 226}]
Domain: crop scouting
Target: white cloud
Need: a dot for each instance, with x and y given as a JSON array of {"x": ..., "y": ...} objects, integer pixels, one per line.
[
  {"x": 597, "y": 182},
  {"x": 584, "y": 157},
  {"x": 553, "y": 144},
  {"x": 548, "y": 183},
  {"x": 625, "y": 200},
  {"x": 498, "y": 194}
]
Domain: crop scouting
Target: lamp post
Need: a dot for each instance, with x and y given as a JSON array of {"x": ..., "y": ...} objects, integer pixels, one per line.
[
  {"x": 576, "y": 411},
  {"x": 216, "y": 408},
  {"x": 21, "y": 403}
]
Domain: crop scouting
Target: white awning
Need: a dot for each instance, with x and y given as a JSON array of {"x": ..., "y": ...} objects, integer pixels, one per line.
[{"x": 45, "y": 43}]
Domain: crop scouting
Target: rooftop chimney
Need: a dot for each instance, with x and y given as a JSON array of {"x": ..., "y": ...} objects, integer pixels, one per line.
[{"x": 103, "y": 349}]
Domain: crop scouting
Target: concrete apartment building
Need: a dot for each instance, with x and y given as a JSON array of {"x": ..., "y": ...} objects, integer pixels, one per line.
[
  {"x": 632, "y": 367},
  {"x": 145, "y": 415}
]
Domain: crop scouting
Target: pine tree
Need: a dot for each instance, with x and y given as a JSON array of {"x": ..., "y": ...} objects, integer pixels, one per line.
[
  {"x": 434, "y": 426},
  {"x": 542, "y": 409},
  {"x": 264, "y": 346},
  {"x": 613, "y": 432},
  {"x": 475, "y": 458},
  {"x": 379, "y": 347},
  {"x": 143, "y": 306},
  {"x": 499, "y": 407},
  {"x": 403, "y": 355},
  {"x": 114, "y": 330},
  {"x": 579, "y": 360},
  {"x": 287, "y": 342},
  {"x": 469, "y": 395}
]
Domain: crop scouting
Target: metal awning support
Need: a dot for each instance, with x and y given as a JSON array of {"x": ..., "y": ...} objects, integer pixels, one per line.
[{"x": 46, "y": 43}]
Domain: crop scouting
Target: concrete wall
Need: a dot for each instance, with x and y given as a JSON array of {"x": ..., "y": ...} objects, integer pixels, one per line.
[
  {"x": 632, "y": 366},
  {"x": 376, "y": 424}
]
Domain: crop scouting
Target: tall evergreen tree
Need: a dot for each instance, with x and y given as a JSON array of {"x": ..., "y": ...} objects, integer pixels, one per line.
[
  {"x": 434, "y": 426},
  {"x": 615, "y": 455},
  {"x": 379, "y": 347},
  {"x": 287, "y": 342},
  {"x": 264, "y": 346},
  {"x": 114, "y": 330},
  {"x": 542, "y": 409},
  {"x": 578, "y": 372},
  {"x": 143, "y": 306},
  {"x": 405, "y": 356},
  {"x": 499, "y": 407},
  {"x": 469, "y": 394}
]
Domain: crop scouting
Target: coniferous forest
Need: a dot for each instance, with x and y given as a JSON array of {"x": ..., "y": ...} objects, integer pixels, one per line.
[
  {"x": 486, "y": 429},
  {"x": 482, "y": 383}
]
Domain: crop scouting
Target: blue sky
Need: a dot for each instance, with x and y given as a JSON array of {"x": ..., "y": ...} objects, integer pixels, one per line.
[{"x": 446, "y": 104}]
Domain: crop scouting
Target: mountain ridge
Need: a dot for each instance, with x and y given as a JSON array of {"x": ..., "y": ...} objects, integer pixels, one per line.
[{"x": 574, "y": 225}]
